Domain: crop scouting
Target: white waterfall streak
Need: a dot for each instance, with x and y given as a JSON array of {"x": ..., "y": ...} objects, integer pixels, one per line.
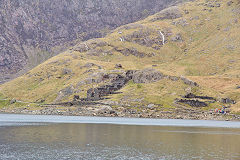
[
  {"x": 121, "y": 39},
  {"x": 163, "y": 37},
  {"x": 86, "y": 46}
]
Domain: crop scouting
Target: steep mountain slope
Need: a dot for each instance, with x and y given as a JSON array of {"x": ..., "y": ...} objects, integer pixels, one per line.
[
  {"x": 31, "y": 31},
  {"x": 186, "y": 55}
]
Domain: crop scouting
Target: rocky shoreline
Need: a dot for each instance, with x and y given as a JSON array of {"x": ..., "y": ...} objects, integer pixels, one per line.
[{"x": 128, "y": 112}]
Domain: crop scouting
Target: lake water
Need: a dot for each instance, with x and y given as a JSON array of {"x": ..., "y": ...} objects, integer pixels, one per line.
[{"x": 69, "y": 138}]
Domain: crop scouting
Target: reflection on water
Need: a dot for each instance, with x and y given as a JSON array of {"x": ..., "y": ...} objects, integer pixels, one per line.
[{"x": 107, "y": 141}]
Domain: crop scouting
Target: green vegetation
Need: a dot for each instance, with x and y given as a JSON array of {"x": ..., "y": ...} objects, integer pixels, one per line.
[{"x": 4, "y": 103}]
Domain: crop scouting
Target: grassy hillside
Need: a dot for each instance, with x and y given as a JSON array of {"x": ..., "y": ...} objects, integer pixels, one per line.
[{"x": 201, "y": 43}]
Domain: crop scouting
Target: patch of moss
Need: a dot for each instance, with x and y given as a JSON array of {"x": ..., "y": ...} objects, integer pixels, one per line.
[
  {"x": 1, "y": 96},
  {"x": 4, "y": 103}
]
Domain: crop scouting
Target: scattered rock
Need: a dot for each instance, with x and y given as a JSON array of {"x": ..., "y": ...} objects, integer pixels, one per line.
[
  {"x": 105, "y": 109},
  {"x": 226, "y": 29},
  {"x": 40, "y": 100},
  {"x": 227, "y": 101},
  {"x": 188, "y": 81},
  {"x": 212, "y": 5},
  {"x": 90, "y": 65},
  {"x": 217, "y": 5},
  {"x": 64, "y": 93},
  {"x": 76, "y": 97},
  {"x": 232, "y": 61},
  {"x": 186, "y": 11},
  {"x": 196, "y": 18},
  {"x": 100, "y": 43},
  {"x": 90, "y": 80},
  {"x": 177, "y": 38},
  {"x": 227, "y": 110},
  {"x": 183, "y": 22},
  {"x": 13, "y": 101},
  {"x": 173, "y": 78},
  {"x": 179, "y": 117},
  {"x": 131, "y": 51},
  {"x": 143, "y": 37},
  {"x": 66, "y": 71},
  {"x": 229, "y": 3},
  {"x": 93, "y": 94},
  {"x": 81, "y": 48},
  {"x": 90, "y": 45},
  {"x": 231, "y": 47},
  {"x": 150, "y": 106},
  {"x": 190, "y": 95},
  {"x": 118, "y": 66}
]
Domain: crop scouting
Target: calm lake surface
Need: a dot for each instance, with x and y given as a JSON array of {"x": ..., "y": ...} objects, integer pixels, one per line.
[{"x": 59, "y": 137}]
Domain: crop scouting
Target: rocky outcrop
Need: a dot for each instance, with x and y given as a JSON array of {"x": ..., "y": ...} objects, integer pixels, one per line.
[
  {"x": 177, "y": 38},
  {"x": 143, "y": 37},
  {"x": 100, "y": 92},
  {"x": 65, "y": 93},
  {"x": 66, "y": 71},
  {"x": 188, "y": 81},
  {"x": 118, "y": 66},
  {"x": 119, "y": 81},
  {"x": 193, "y": 103},
  {"x": 131, "y": 51},
  {"x": 191, "y": 95},
  {"x": 212, "y": 4},
  {"x": 29, "y": 27},
  {"x": 114, "y": 82},
  {"x": 90, "y": 65},
  {"x": 169, "y": 13},
  {"x": 196, "y": 101},
  {"x": 227, "y": 101},
  {"x": 147, "y": 76}
]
